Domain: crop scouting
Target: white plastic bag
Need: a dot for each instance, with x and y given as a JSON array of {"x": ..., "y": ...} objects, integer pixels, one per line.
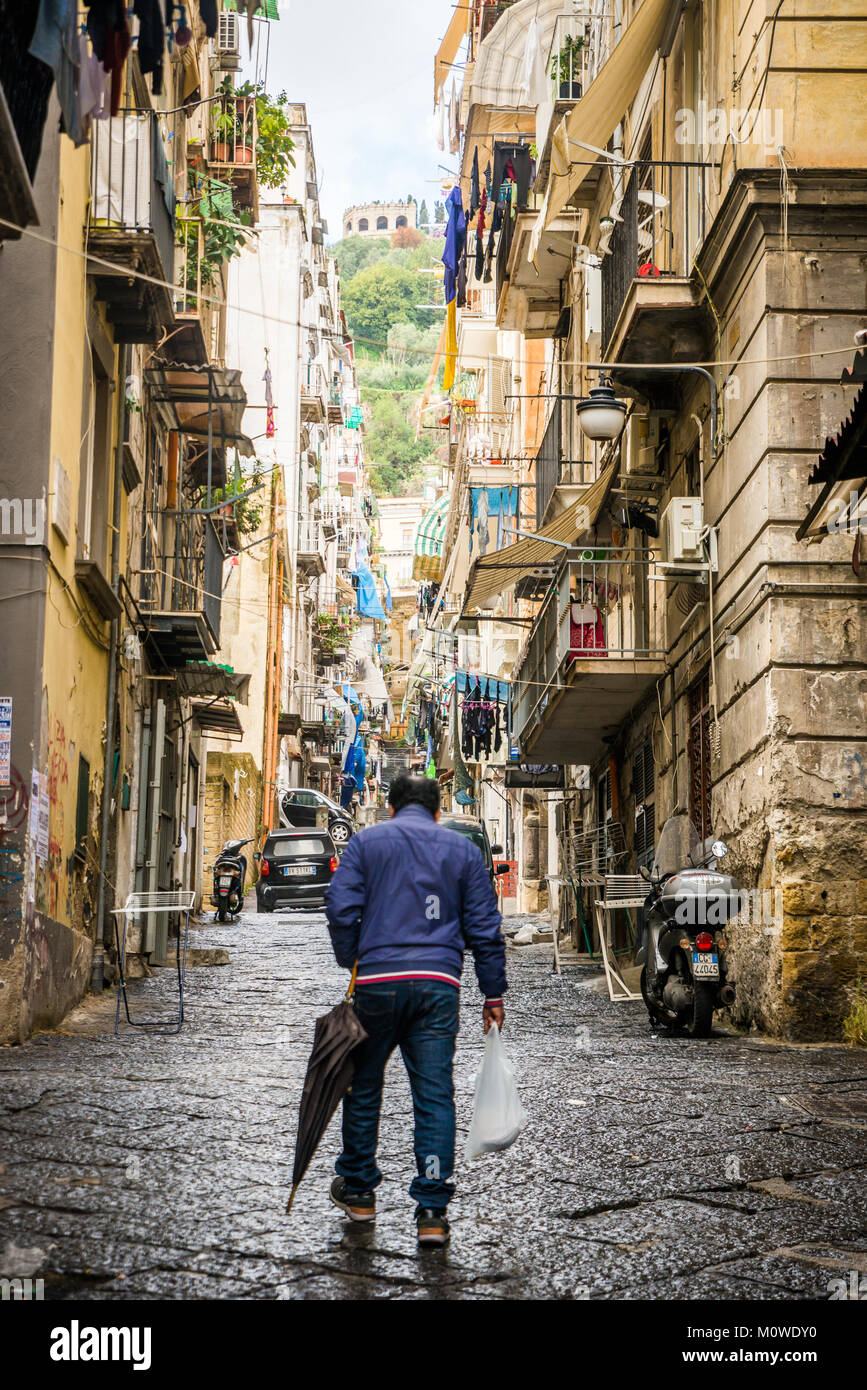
[{"x": 498, "y": 1115}]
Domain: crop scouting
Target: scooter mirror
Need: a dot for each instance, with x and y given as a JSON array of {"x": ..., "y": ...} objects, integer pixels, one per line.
[
  {"x": 719, "y": 849},
  {"x": 645, "y": 873}
]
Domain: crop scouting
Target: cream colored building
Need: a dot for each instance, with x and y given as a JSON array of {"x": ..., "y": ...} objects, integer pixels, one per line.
[{"x": 378, "y": 219}]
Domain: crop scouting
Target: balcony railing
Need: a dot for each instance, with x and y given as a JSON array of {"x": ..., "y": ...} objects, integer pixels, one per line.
[
  {"x": 605, "y": 606},
  {"x": 314, "y": 392},
  {"x": 232, "y": 144},
  {"x": 663, "y": 222},
  {"x": 132, "y": 216},
  {"x": 197, "y": 288},
  {"x": 181, "y": 593},
  {"x": 311, "y": 547},
  {"x": 552, "y": 468}
]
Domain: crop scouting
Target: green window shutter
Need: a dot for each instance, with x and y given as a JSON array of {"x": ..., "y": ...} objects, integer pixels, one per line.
[{"x": 82, "y": 808}]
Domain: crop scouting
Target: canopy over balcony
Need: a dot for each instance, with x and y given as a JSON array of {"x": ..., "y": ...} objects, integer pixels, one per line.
[
  {"x": 529, "y": 298},
  {"x": 428, "y": 561}
]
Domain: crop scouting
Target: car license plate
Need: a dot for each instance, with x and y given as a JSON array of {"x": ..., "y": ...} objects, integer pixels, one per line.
[
  {"x": 298, "y": 871},
  {"x": 705, "y": 965},
  {"x": 225, "y": 880}
]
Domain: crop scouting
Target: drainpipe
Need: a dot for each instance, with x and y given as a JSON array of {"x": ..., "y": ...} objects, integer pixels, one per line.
[{"x": 97, "y": 971}]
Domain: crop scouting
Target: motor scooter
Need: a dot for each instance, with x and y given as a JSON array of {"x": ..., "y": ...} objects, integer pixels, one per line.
[{"x": 230, "y": 873}]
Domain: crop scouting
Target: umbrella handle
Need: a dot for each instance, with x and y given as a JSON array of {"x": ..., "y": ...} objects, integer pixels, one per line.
[{"x": 350, "y": 990}]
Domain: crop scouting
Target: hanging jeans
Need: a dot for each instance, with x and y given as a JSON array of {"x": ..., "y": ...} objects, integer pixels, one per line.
[{"x": 421, "y": 1018}]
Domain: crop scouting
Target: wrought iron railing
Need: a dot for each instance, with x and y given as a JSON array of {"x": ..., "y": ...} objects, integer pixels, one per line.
[
  {"x": 233, "y": 130},
  {"x": 186, "y": 576},
  {"x": 130, "y": 183},
  {"x": 605, "y": 604},
  {"x": 663, "y": 220},
  {"x": 555, "y": 461}
]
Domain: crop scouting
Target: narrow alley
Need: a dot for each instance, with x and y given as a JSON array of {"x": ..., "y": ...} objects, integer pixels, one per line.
[{"x": 651, "y": 1167}]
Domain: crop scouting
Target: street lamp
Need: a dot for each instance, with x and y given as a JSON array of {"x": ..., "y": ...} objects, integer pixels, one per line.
[{"x": 601, "y": 415}]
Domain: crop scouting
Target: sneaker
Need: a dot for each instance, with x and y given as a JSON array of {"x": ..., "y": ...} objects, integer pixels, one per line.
[
  {"x": 359, "y": 1206},
  {"x": 432, "y": 1226}
]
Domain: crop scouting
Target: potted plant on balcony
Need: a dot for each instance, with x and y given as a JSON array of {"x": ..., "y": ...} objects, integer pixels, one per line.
[
  {"x": 274, "y": 144},
  {"x": 564, "y": 66}
]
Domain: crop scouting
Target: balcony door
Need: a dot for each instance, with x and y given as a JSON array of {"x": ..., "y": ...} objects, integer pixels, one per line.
[{"x": 698, "y": 749}]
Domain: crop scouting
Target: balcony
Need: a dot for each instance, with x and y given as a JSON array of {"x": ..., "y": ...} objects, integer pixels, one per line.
[
  {"x": 314, "y": 394},
  {"x": 335, "y": 405},
  {"x": 206, "y": 405},
  {"x": 529, "y": 292},
  {"x": 25, "y": 88},
  {"x": 232, "y": 147},
  {"x": 596, "y": 647},
  {"x": 311, "y": 548},
  {"x": 576, "y": 52},
  {"x": 181, "y": 594},
  {"x": 652, "y": 309},
  {"x": 560, "y": 475},
  {"x": 132, "y": 224}
]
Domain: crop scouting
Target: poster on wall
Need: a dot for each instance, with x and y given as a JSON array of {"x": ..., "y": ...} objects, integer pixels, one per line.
[{"x": 5, "y": 740}]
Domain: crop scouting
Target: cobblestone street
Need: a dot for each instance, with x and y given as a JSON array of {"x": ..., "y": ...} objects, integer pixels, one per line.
[{"x": 154, "y": 1167}]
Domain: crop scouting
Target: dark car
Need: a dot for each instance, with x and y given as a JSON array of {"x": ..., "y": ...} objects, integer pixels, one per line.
[
  {"x": 295, "y": 868},
  {"x": 475, "y": 830},
  {"x": 300, "y": 804}
]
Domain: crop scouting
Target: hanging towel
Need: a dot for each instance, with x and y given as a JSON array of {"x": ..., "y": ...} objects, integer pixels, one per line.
[{"x": 482, "y": 514}]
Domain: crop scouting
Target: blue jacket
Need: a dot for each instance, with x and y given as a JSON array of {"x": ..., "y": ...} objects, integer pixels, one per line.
[{"x": 410, "y": 897}]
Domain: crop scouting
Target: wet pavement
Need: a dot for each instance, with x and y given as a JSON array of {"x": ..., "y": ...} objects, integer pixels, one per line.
[{"x": 651, "y": 1167}]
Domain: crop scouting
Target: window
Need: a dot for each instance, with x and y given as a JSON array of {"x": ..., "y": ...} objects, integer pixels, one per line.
[
  {"x": 348, "y": 228},
  {"x": 82, "y": 809},
  {"x": 382, "y": 224},
  {"x": 298, "y": 847},
  {"x": 93, "y": 497},
  {"x": 306, "y": 798},
  {"x": 400, "y": 222},
  {"x": 698, "y": 750},
  {"x": 643, "y": 791},
  {"x": 362, "y": 224},
  {"x": 692, "y": 462}
]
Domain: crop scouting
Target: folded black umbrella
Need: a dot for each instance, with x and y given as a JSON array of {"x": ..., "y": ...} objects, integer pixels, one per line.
[{"x": 330, "y": 1070}]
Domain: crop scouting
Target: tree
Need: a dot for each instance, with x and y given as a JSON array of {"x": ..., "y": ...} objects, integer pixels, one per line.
[
  {"x": 404, "y": 238},
  {"x": 408, "y": 345},
  {"x": 423, "y": 215},
  {"x": 356, "y": 252},
  {"x": 439, "y": 212},
  {"x": 397, "y": 458},
  {"x": 381, "y": 295}
]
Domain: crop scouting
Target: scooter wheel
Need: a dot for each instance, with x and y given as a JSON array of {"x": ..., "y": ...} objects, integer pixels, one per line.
[
  {"x": 702, "y": 1010},
  {"x": 221, "y": 912}
]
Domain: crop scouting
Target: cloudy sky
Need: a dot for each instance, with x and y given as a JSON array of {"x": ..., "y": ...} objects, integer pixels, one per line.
[{"x": 365, "y": 70}]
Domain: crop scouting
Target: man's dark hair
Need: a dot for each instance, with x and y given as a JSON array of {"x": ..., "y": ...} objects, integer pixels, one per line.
[{"x": 407, "y": 790}]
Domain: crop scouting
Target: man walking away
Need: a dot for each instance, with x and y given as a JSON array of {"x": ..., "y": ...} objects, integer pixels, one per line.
[{"x": 407, "y": 899}]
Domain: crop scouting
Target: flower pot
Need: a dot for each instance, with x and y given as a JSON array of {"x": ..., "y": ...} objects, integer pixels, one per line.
[
  {"x": 244, "y": 154},
  {"x": 570, "y": 91},
  {"x": 220, "y": 152}
]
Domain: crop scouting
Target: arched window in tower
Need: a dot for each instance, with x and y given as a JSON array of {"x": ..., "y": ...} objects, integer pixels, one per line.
[
  {"x": 348, "y": 228},
  {"x": 382, "y": 224},
  {"x": 362, "y": 224},
  {"x": 400, "y": 221}
]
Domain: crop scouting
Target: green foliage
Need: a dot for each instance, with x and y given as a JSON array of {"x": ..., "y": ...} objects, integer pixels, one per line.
[
  {"x": 397, "y": 458},
  {"x": 382, "y": 295},
  {"x": 439, "y": 212},
  {"x": 354, "y": 253},
  {"x": 247, "y": 513},
  {"x": 223, "y": 230},
  {"x": 274, "y": 144},
  {"x": 423, "y": 214}
]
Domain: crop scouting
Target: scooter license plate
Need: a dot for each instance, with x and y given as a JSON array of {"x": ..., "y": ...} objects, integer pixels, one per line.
[
  {"x": 298, "y": 871},
  {"x": 705, "y": 965},
  {"x": 226, "y": 881}
]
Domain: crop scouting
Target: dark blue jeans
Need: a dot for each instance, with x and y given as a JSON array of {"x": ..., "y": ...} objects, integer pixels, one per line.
[{"x": 421, "y": 1018}]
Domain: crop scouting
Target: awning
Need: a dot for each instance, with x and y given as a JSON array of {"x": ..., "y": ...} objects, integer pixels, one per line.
[
  {"x": 428, "y": 562},
  {"x": 219, "y": 718},
  {"x": 492, "y": 574},
  {"x": 502, "y": 74},
  {"x": 448, "y": 49},
  {"x": 594, "y": 119},
  {"x": 208, "y": 679},
  {"x": 189, "y": 397},
  {"x": 842, "y": 468}
]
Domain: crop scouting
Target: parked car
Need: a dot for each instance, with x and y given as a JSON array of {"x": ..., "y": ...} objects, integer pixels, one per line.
[
  {"x": 295, "y": 868},
  {"x": 299, "y": 806},
  {"x": 476, "y": 831}
]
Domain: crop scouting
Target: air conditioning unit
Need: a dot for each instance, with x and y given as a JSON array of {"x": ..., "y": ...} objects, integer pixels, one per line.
[
  {"x": 680, "y": 529},
  {"x": 229, "y": 41},
  {"x": 642, "y": 442}
]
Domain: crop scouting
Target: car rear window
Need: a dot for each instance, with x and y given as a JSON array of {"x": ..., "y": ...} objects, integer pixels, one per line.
[
  {"x": 297, "y": 847},
  {"x": 473, "y": 833}
]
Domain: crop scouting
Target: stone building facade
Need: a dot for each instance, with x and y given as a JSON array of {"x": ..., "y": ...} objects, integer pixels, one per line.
[{"x": 378, "y": 219}]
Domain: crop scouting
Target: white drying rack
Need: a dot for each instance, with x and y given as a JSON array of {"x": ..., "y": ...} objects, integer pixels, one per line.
[
  {"x": 621, "y": 890},
  {"x": 143, "y": 905}
]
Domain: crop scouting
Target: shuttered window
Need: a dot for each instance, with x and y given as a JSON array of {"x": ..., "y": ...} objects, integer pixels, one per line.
[
  {"x": 82, "y": 808},
  {"x": 644, "y": 793}
]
